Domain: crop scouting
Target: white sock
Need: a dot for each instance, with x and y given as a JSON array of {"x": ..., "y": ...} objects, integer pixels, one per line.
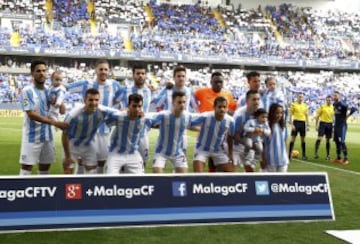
[
  {"x": 100, "y": 169},
  {"x": 25, "y": 172},
  {"x": 43, "y": 172}
]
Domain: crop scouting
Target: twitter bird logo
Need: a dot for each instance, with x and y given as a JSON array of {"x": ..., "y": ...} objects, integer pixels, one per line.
[{"x": 262, "y": 188}]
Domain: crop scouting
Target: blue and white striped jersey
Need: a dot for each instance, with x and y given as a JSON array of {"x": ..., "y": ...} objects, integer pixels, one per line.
[
  {"x": 170, "y": 140},
  {"x": 123, "y": 94},
  {"x": 57, "y": 94},
  {"x": 250, "y": 126},
  {"x": 213, "y": 133},
  {"x": 83, "y": 126},
  {"x": 33, "y": 99},
  {"x": 107, "y": 94},
  {"x": 164, "y": 99},
  {"x": 271, "y": 97},
  {"x": 126, "y": 135},
  {"x": 275, "y": 147},
  {"x": 241, "y": 115}
]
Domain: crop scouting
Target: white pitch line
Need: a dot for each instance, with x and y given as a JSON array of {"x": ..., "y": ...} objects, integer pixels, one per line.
[{"x": 328, "y": 167}]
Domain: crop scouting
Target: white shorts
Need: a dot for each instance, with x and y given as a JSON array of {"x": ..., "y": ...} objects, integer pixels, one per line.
[
  {"x": 238, "y": 154},
  {"x": 218, "y": 158},
  {"x": 131, "y": 163},
  {"x": 272, "y": 168},
  {"x": 87, "y": 154},
  {"x": 144, "y": 148},
  {"x": 102, "y": 143},
  {"x": 177, "y": 161},
  {"x": 33, "y": 153}
]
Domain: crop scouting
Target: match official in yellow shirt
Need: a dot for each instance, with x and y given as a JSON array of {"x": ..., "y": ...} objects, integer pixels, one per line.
[
  {"x": 325, "y": 115},
  {"x": 299, "y": 121}
]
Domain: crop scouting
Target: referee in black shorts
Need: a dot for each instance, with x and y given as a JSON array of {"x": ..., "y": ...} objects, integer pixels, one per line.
[
  {"x": 325, "y": 114},
  {"x": 299, "y": 121}
]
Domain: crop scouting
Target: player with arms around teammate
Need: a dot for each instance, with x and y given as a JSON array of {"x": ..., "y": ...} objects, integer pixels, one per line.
[
  {"x": 342, "y": 113},
  {"x": 78, "y": 140},
  {"x": 172, "y": 125},
  {"x": 325, "y": 115},
  {"x": 107, "y": 88},
  {"x": 216, "y": 128},
  {"x": 139, "y": 87},
  {"x": 37, "y": 145},
  {"x": 124, "y": 153}
]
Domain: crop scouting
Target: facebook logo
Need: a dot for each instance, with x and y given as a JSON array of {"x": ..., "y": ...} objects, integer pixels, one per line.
[
  {"x": 179, "y": 189},
  {"x": 262, "y": 188}
]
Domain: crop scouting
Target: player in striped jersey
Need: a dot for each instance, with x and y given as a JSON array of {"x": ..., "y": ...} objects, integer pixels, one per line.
[
  {"x": 37, "y": 144},
  {"x": 253, "y": 79},
  {"x": 164, "y": 99},
  {"x": 107, "y": 88},
  {"x": 78, "y": 140},
  {"x": 216, "y": 128},
  {"x": 173, "y": 125},
  {"x": 275, "y": 146},
  {"x": 242, "y": 115},
  {"x": 139, "y": 78},
  {"x": 124, "y": 153}
]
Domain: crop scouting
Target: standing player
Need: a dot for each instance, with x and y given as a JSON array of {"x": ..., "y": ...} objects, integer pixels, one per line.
[
  {"x": 299, "y": 121},
  {"x": 124, "y": 155},
  {"x": 342, "y": 113},
  {"x": 139, "y": 78},
  {"x": 37, "y": 144},
  {"x": 216, "y": 128},
  {"x": 107, "y": 89},
  {"x": 325, "y": 115},
  {"x": 172, "y": 125},
  {"x": 164, "y": 99},
  {"x": 241, "y": 116},
  {"x": 253, "y": 79},
  {"x": 78, "y": 140},
  {"x": 206, "y": 97}
]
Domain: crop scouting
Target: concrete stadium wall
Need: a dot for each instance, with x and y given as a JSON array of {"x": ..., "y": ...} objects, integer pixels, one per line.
[{"x": 345, "y": 5}]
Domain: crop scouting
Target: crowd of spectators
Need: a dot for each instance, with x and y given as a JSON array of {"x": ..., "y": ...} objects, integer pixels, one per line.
[{"x": 192, "y": 29}]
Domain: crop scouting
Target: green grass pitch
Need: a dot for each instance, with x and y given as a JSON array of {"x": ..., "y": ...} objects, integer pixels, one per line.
[{"x": 344, "y": 182}]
